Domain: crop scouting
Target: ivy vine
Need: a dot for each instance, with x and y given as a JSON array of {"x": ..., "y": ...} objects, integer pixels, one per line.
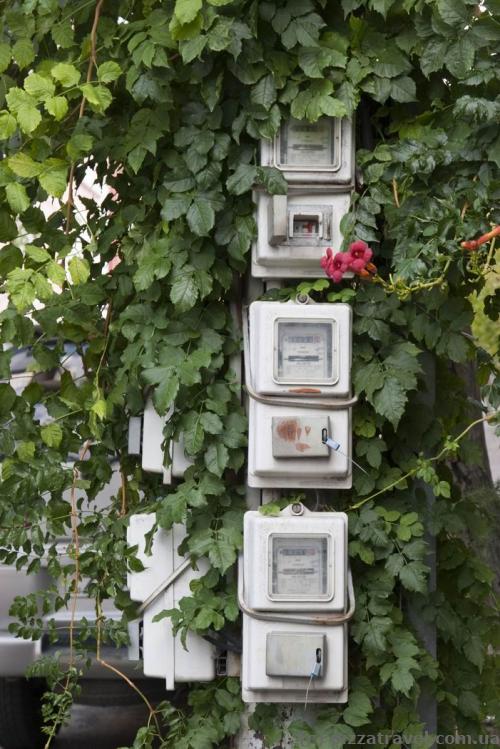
[{"x": 162, "y": 103}]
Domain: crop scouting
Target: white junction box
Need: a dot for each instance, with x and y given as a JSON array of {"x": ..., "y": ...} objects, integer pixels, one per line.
[
  {"x": 299, "y": 352},
  {"x": 163, "y": 653},
  {"x": 294, "y": 230},
  {"x": 152, "y": 446},
  {"x": 294, "y": 567}
]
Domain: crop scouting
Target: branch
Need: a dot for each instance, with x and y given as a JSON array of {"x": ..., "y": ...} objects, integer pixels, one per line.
[
  {"x": 437, "y": 457},
  {"x": 90, "y": 68}
]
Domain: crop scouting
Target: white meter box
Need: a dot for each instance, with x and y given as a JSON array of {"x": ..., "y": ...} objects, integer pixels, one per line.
[
  {"x": 294, "y": 230},
  {"x": 152, "y": 446},
  {"x": 294, "y": 572},
  {"x": 298, "y": 349},
  {"x": 299, "y": 352},
  {"x": 163, "y": 653}
]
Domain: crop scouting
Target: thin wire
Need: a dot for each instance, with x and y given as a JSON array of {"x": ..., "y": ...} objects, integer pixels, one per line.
[{"x": 307, "y": 690}]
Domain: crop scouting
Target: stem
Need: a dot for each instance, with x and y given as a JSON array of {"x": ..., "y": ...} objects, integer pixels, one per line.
[
  {"x": 92, "y": 63},
  {"x": 437, "y": 457}
]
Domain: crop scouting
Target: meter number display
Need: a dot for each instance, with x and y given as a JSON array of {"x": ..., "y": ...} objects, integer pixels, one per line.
[
  {"x": 307, "y": 144},
  {"x": 304, "y": 352},
  {"x": 300, "y": 566}
]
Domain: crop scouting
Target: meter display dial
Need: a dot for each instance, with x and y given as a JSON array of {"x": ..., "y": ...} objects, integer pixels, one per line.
[
  {"x": 307, "y": 144},
  {"x": 299, "y": 566},
  {"x": 304, "y": 352}
]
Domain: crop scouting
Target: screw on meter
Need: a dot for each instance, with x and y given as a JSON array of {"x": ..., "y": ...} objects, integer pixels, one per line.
[
  {"x": 304, "y": 352},
  {"x": 305, "y": 144},
  {"x": 299, "y": 567}
]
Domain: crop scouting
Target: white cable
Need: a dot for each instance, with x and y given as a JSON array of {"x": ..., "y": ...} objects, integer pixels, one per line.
[
  {"x": 307, "y": 690},
  {"x": 319, "y": 619},
  {"x": 162, "y": 587}
]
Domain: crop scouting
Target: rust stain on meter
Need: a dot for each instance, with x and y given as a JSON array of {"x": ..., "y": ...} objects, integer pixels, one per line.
[{"x": 299, "y": 437}]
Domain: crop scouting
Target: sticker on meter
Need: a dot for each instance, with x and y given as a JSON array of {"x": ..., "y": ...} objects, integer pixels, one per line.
[
  {"x": 299, "y": 566},
  {"x": 304, "y": 352},
  {"x": 307, "y": 144}
]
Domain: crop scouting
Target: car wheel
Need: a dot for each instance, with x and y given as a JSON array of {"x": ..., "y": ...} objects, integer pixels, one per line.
[{"x": 21, "y": 714}]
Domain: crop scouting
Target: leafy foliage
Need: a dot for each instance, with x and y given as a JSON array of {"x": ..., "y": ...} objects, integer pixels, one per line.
[{"x": 165, "y": 102}]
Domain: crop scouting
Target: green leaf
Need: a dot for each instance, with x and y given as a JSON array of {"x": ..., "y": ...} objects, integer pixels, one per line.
[
  {"x": 28, "y": 118},
  {"x": 216, "y": 458},
  {"x": 23, "y": 165},
  {"x": 39, "y": 87},
  {"x": 8, "y": 228},
  {"x": 7, "y": 398},
  {"x": 264, "y": 92},
  {"x": 186, "y": 10},
  {"x": 51, "y": 434},
  {"x": 469, "y": 704},
  {"x": 390, "y": 62},
  {"x": 200, "y": 217},
  {"x": 175, "y": 207},
  {"x": 109, "y": 71},
  {"x": 5, "y": 56},
  {"x": 242, "y": 179},
  {"x": 401, "y": 679},
  {"x": 414, "y": 577},
  {"x": 403, "y": 89},
  {"x": 273, "y": 180},
  {"x": 97, "y": 96},
  {"x": 55, "y": 273},
  {"x": 66, "y": 74},
  {"x": 79, "y": 270},
  {"x": 358, "y": 709},
  {"x": 53, "y": 177},
  {"x": 78, "y": 145},
  {"x": 316, "y": 101},
  {"x": 23, "y": 53},
  {"x": 223, "y": 552},
  {"x": 17, "y": 197},
  {"x": 184, "y": 291},
  {"x": 212, "y": 423},
  {"x": 8, "y": 125},
  {"x": 57, "y": 106},
  {"x": 38, "y": 254},
  {"x": 474, "y": 650},
  {"x": 26, "y": 451},
  {"x": 368, "y": 377},
  {"x": 391, "y": 400},
  {"x": 453, "y": 12}
]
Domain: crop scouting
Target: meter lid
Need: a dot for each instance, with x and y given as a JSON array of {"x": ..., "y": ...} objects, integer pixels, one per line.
[
  {"x": 308, "y": 146},
  {"x": 300, "y": 566},
  {"x": 305, "y": 351}
]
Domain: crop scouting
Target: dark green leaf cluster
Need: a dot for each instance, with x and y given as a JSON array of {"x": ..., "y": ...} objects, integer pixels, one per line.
[{"x": 140, "y": 268}]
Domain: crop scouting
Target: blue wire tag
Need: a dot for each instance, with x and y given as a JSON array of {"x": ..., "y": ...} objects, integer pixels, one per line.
[{"x": 332, "y": 444}]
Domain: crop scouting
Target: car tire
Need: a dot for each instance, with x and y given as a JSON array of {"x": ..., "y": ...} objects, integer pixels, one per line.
[{"x": 21, "y": 714}]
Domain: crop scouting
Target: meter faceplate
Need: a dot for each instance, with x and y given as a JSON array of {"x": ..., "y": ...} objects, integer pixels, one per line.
[
  {"x": 304, "y": 352},
  {"x": 300, "y": 567},
  {"x": 305, "y": 145}
]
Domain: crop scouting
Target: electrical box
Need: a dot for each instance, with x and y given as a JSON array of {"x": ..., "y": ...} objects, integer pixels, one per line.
[
  {"x": 149, "y": 444},
  {"x": 294, "y": 230},
  {"x": 299, "y": 353},
  {"x": 293, "y": 591},
  {"x": 163, "y": 654}
]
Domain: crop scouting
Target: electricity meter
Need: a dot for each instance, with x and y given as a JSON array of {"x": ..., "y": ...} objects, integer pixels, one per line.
[
  {"x": 299, "y": 352},
  {"x": 164, "y": 581},
  {"x": 295, "y": 598},
  {"x": 312, "y": 153},
  {"x": 294, "y": 230}
]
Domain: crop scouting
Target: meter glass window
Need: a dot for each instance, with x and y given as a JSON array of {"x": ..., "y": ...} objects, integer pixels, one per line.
[
  {"x": 307, "y": 144},
  {"x": 300, "y": 566},
  {"x": 304, "y": 352}
]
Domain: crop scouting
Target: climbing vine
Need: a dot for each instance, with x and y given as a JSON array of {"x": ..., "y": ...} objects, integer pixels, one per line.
[{"x": 160, "y": 106}]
